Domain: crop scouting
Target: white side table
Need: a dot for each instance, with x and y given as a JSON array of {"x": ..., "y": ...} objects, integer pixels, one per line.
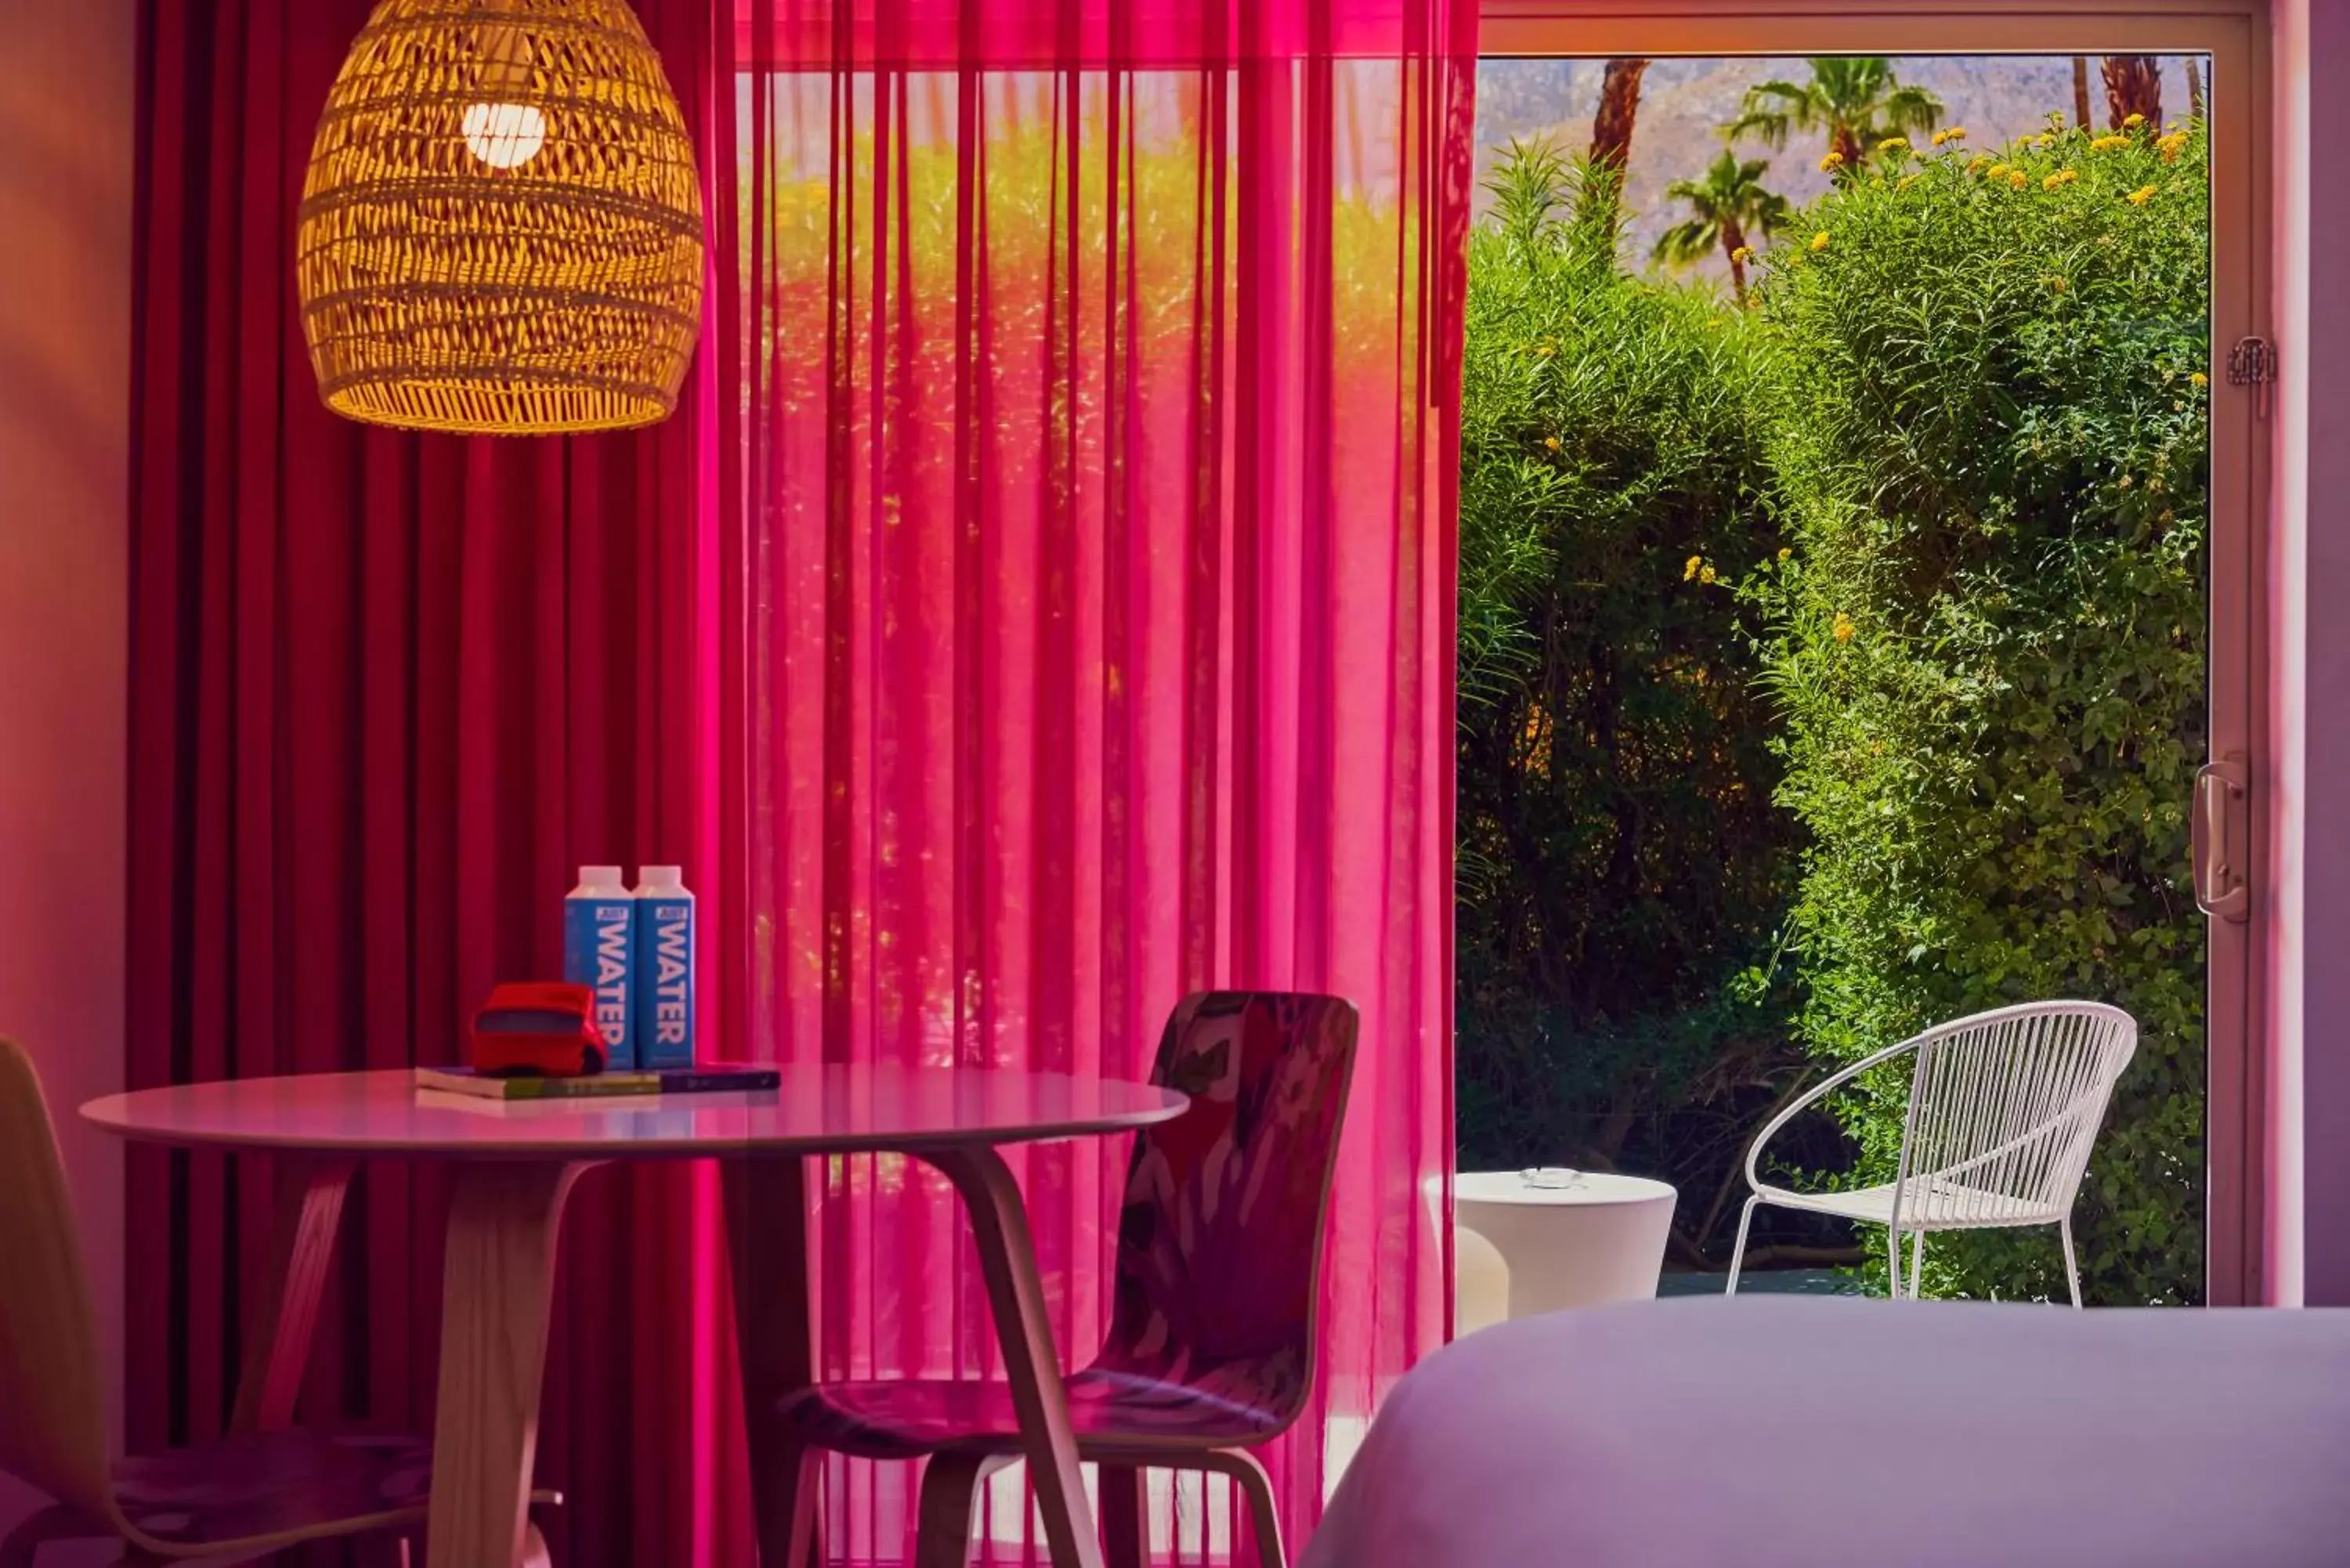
[{"x": 1569, "y": 1238}]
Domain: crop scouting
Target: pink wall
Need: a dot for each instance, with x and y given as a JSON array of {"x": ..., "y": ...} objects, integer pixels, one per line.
[{"x": 67, "y": 77}]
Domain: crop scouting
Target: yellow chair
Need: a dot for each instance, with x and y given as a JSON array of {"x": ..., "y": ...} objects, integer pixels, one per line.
[{"x": 240, "y": 1497}]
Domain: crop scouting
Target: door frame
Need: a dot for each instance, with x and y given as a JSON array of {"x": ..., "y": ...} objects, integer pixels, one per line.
[{"x": 2235, "y": 34}]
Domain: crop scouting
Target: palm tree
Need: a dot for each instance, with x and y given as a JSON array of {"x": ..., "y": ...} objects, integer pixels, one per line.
[
  {"x": 2081, "y": 91},
  {"x": 1728, "y": 208},
  {"x": 2133, "y": 86},
  {"x": 1856, "y": 99},
  {"x": 1619, "y": 110}
]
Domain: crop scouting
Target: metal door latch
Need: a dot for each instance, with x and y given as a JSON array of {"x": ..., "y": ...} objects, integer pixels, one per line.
[
  {"x": 2252, "y": 362},
  {"x": 2221, "y": 838}
]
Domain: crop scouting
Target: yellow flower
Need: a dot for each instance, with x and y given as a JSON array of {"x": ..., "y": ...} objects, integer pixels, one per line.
[
  {"x": 2198, "y": 380},
  {"x": 1784, "y": 552},
  {"x": 2018, "y": 178},
  {"x": 2131, "y": 122},
  {"x": 2045, "y": 141},
  {"x": 2110, "y": 144},
  {"x": 1905, "y": 182},
  {"x": 2170, "y": 146},
  {"x": 2052, "y": 182},
  {"x": 1705, "y": 573},
  {"x": 1551, "y": 441},
  {"x": 1743, "y": 254},
  {"x": 1843, "y": 629},
  {"x": 1820, "y": 240},
  {"x": 1955, "y": 133},
  {"x": 1832, "y": 161},
  {"x": 1998, "y": 171},
  {"x": 2139, "y": 197},
  {"x": 1894, "y": 144},
  {"x": 1689, "y": 568}
]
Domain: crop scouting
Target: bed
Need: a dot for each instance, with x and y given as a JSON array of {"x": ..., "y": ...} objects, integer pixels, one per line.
[{"x": 1822, "y": 1432}]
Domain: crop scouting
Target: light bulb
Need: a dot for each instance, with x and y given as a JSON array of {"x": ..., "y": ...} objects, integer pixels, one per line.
[{"x": 505, "y": 135}]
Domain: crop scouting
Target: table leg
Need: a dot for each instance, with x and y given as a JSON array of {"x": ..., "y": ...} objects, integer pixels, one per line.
[
  {"x": 766, "y": 1248},
  {"x": 309, "y": 1212},
  {"x": 496, "y": 1285},
  {"x": 1007, "y": 1257}
]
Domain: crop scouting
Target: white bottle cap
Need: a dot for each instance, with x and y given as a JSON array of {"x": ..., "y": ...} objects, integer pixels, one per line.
[
  {"x": 601, "y": 879},
  {"x": 660, "y": 878}
]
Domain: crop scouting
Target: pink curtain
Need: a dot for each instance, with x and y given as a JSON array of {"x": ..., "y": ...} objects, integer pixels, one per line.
[
  {"x": 1041, "y": 608},
  {"x": 1090, "y": 615}
]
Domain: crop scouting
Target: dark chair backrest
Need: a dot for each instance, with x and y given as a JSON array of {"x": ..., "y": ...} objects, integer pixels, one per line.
[{"x": 1220, "y": 1241}]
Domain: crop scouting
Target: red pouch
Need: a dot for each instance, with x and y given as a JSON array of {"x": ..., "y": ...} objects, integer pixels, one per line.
[{"x": 542, "y": 1027}]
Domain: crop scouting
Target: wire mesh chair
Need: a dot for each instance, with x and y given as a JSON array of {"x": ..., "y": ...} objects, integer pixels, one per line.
[{"x": 2002, "y": 1109}]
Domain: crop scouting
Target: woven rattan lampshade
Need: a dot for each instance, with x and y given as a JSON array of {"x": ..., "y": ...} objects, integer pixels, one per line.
[{"x": 501, "y": 230}]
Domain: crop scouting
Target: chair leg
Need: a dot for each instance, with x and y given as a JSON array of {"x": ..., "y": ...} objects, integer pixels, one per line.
[
  {"x": 787, "y": 1494},
  {"x": 1738, "y": 1254},
  {"x": 1893, "y": 1248},
  {"x": 2072, "y": 1269},
  {"x": 951, "y": 1484},
  {"x": 1916, "y": 1262},
  {"x": 1264, "y": 1518},
  {"x": 1125, "y": 1517}
]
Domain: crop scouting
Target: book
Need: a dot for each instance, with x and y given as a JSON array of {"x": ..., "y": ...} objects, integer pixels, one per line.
[{"x": 595, "y": 1085}]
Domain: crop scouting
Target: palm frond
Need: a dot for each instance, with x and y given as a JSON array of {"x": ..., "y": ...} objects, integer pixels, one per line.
[
  {"x": 1687, "y": 244},
  {"x": 1911, "y": 110},
  {"x": 1771, "y": 110}
]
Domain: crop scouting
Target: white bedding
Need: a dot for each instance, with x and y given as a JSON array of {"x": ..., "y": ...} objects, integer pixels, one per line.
[{"x": 1770, "y": 1430}]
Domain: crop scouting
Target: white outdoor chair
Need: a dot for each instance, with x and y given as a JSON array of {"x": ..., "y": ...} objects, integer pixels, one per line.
[{"x": 2002, "y": 1109}]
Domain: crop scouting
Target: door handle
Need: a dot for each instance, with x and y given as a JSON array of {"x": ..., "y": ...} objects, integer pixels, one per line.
[{"x": 2220, "y": 838}]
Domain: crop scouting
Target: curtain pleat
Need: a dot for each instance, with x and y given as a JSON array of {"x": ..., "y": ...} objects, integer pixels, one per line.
[
  {"x": 1098, "y": 371},
  {"x": 388, "y": 691}
]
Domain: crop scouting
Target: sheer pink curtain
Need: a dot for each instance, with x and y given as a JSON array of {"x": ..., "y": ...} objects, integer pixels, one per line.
[{"x": 1096, "y": 371}]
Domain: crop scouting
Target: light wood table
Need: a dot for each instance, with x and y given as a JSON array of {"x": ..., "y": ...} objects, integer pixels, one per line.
[{"x": 512, "y": 1165}]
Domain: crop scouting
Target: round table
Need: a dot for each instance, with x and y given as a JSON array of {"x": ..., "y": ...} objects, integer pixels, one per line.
[
  {"x": 513, "y": 1163},
  {"x": 1566, "y": 1239}
]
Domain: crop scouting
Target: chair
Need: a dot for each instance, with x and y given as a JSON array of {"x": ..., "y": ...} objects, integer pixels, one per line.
[
  {"x": 241, "y": 1497},
  {"x": 2002, "y": 1109},
  {"x": 1211, "y": 1345}
]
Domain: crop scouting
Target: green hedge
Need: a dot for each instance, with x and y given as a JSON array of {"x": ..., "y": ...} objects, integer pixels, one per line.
[
  {"x": 1621, "y": 860},
  {"x": 1989, "y": 645}
]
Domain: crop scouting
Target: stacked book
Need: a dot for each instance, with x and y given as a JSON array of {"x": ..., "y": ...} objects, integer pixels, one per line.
[{"x": 539, "y": 1086}]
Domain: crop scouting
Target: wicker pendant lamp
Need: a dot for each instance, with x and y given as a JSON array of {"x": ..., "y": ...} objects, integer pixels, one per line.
[{"x": 500, "y": 229}]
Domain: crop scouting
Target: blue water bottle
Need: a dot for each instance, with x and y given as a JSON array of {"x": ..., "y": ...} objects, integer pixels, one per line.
[
  {"x": 599, "y": 937},
  {"x": 664, "y": 984}
]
